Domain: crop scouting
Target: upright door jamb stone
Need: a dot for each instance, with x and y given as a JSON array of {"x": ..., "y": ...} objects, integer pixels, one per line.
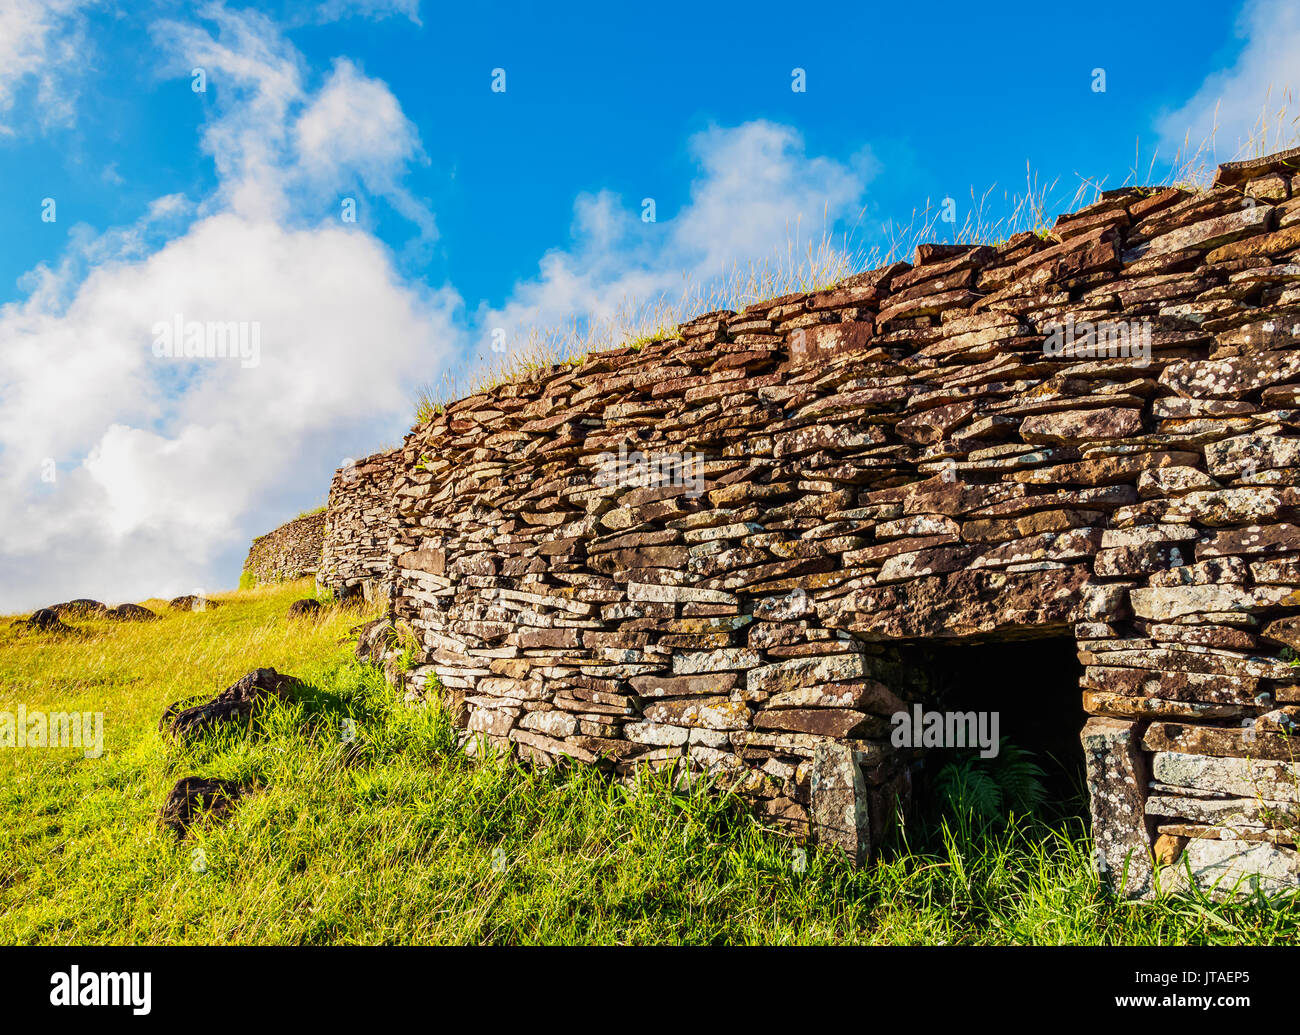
[
  {"x": 840, "y": 813},
  {"x": 1118, "y": 780}
]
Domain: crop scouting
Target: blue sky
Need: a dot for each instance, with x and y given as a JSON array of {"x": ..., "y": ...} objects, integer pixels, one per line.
[{"x": 127, "y": 475}]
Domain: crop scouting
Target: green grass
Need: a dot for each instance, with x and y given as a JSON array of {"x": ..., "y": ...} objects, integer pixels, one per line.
[{"x": 396, "y": 838}]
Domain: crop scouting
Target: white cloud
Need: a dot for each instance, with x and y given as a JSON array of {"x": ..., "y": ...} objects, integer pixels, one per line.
[
  {"x": 277, "y": 142},
  {"x": 185, "y": 459},
  {"x": 337, "y": 10},
  {"x": 1242, "y": 102},
  {"x": 164, "y": 468},
  {"x": 257, "y": 76},
  {"x": 758, "y": 198},
  {"x": 43, "y": 41},
  {"x": 354, "y": 131}
]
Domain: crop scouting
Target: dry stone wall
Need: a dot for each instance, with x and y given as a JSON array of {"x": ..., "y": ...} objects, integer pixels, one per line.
[
  {"x": 710, "y": 552},
  {"x": 356, "y": 549},
  {"x": 291, "y": 551}
]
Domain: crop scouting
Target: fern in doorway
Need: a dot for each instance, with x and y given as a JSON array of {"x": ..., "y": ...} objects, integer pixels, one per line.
[{"x": 992, "y": 788}]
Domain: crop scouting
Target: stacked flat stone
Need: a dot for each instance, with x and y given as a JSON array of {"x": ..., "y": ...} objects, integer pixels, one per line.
[
  {"x": 901, "y": 458},
  {"x": 355, "y": 558},
  {"x": 292, "y": 551}
]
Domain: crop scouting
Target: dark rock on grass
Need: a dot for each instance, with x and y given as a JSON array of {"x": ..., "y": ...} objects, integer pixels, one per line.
[
  {"x": 130, "y": 613},
  {"x": 305, "y": 608},
  {"x": 196, "y": 796},
  {"x": 190, "y": 602},
  {"x": 45, "y": 620},
  {"x": 82, "y": 607},
  {"x": 237, "y": 703},
  {"x": 373, "y": 639},
  {"x": 383, "y": 643}
]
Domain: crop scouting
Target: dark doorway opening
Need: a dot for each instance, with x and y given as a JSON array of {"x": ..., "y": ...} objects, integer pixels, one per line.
[{"x": 1031, "y": 686}]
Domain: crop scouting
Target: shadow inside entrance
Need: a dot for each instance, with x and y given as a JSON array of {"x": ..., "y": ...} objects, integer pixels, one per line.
[{"x": 997, "y": 727}]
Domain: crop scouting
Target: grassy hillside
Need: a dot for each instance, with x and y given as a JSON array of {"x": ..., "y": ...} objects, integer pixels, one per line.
[{"x": 395, "y": 838}]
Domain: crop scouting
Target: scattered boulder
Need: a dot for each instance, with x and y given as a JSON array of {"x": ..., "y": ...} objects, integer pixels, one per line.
[
  {"x": 82, "y": 607},
  {"x": 196, "y": 796},
  {"x": 307, "y": 607},
  {"x": 372, "y": 640},
  {"x": 130, "y": 613},
  {"x": 237, "y": 702},
  {"x": 45, "y": 620},
  {"x": 190, "y": 602},
  {"x": 384, "y": 643}
]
